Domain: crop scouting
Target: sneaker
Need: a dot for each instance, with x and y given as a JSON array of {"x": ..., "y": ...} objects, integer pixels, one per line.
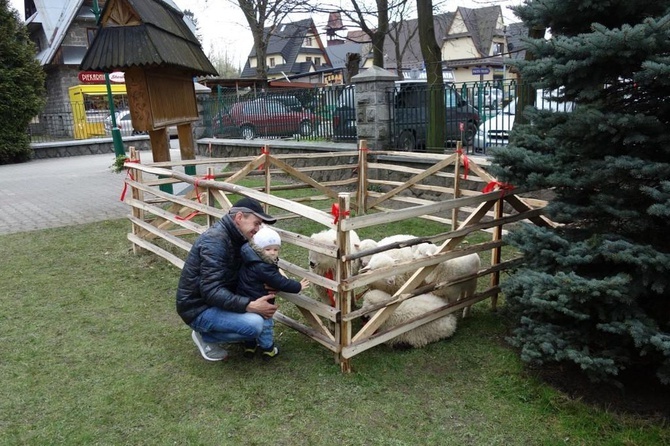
[
  {"x": 270, "y": 353},
  {"x": 211, "y": 352},
  {"x": 249, "y": 349}
]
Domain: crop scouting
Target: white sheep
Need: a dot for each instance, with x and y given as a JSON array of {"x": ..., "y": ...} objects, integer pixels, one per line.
[
  {"x": 433, "y": 331},
  {"x": 451, "y": 270},
  {"x": 324, "y": 265},
  {"x": 447, "y": 271},
  {"x": 404, "y": 253}
]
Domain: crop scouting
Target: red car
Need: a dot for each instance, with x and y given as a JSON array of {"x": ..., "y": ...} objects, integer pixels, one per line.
[{"x": 263, "y": 117}]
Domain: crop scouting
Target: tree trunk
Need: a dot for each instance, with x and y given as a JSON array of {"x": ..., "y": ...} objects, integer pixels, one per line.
[{"x": 432, "y": 56}]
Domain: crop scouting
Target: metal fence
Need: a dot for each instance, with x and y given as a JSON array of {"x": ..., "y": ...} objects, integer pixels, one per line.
[{"x": 481, "y": 115}]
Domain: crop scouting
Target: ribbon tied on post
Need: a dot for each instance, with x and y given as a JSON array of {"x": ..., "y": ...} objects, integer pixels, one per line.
[{"x": 335, "y": 210}]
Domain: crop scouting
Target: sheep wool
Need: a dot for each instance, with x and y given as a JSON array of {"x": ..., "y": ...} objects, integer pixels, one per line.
[{"x": 418, "y": 337}]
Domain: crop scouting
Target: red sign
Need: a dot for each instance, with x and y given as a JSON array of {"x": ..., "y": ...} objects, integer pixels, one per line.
[{"x": 97, "y": 77}]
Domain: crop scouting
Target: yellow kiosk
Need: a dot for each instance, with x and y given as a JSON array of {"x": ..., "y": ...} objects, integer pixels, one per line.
[{"x": 90, "y": 107}]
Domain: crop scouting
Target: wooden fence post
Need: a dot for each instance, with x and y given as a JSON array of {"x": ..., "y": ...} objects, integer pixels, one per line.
[
  {"x": 457, "y": 193},
  {"x": 362, "y": 193},
  {"x": 137, "y": 194},
  {"x": 344, "y": 298}
]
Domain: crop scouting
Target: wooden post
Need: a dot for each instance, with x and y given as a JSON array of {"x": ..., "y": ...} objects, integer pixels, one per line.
[
  {"x": 343, "y": 272},
  {"x": 268, "y": 180},
  {"x": 209, "y": 198},
  {"x": 137, "y": 195},
  {"x": 160, "y": 149},
  {"x": 496, "y": 253},
  {"x": 186, "y": 146},
  {"x": 457, "y": 193},
  {"x": 362, "y": 193}
]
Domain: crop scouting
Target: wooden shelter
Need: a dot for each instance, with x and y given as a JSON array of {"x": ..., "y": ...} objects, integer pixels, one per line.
[{"x": 160, "y": 55}]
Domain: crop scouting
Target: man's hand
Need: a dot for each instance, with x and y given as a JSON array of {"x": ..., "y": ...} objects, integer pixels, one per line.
[{"x": 262, "y": 306}]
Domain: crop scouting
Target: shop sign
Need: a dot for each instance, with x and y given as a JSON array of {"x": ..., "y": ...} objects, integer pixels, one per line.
[{"x": 97, "y": 77}]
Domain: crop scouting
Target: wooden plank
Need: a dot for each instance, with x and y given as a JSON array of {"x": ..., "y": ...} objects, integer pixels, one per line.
[
  {"x": 198, "y": 229},
  {"x": 312, "y": 305},
  {"x": 179, "y": 243},
  {"x": 426, "y": 173},
  {"x": 304, "y": 178},
  {"x": 184, "y": 202},
  {"x": 360, "y": 344},
  {"x": 365, "y": 221},
  {"x": 176, "y": 261},
  {"x": 309, "y": 332}
]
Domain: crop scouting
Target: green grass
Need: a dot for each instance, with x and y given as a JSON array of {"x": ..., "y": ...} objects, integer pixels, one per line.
[{"x": 92, "y": 352}]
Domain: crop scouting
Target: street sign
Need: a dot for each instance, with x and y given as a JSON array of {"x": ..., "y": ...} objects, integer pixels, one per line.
[{"x": 477, "y": 71}]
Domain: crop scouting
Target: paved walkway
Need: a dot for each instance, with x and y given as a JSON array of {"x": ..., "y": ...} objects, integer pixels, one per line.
[{"x": 57, "y": 192}]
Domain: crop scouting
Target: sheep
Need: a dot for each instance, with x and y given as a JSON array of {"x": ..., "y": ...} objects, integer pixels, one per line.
[
  {"x": 447, "y": 271},
  {"x": 398, "y": 253},
  {"x": 418, "y": 337},
  {"x": 451, "y": 270},
  {"x": 324, "y": 265}
]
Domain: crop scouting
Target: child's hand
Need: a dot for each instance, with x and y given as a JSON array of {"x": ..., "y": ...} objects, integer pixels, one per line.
[{"x": 304, "y": 283}]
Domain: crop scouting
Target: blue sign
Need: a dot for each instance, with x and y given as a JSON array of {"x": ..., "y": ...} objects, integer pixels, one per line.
[{"x": 479, "y": 71}]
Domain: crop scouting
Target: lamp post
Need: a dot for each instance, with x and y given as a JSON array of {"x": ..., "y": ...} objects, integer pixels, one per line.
[{"x": 116, "y": 133}]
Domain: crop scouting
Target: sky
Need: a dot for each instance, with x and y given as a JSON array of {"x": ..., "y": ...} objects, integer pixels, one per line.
[{"x": 225, "y": 32}]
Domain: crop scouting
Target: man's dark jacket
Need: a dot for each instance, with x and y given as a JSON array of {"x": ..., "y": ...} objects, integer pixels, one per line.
[{"x": 209, "y": 276}]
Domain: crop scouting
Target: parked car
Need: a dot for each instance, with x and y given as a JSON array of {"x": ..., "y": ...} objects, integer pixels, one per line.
[
  {"x": 496, "y": 131},
  {"x": 269, "y": 118},
  {"x": 125, "y": 125},
  {"x": 410, "y": 115}
]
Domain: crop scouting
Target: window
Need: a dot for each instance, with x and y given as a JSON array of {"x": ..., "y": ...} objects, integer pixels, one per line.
[
  {"x": 308, "y": 59},
  {"x": 272, "y": 61},
  {"x": 498, "y": 48},
  {"x": 308, "y": 41},
  {"x": 317, "y": 61}
]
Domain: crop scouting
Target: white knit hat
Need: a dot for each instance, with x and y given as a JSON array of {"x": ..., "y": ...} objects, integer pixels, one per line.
[{"x": 266, "y": 237}]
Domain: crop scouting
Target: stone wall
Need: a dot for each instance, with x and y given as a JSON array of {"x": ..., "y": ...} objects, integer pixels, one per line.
[{"x": 96, "y": 146}]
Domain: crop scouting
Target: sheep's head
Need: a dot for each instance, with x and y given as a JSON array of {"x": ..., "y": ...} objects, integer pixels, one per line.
[{"x": 364, "y": 245}]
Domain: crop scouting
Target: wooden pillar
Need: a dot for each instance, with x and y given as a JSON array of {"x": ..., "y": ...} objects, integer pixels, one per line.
[
  {"x": 362, "y": 193},
  {"x": 160, "y": 149},
  {"x": 457, "y": 193},
  {"x": 343, "y": 327},
  {"x": 186, "y": 146}
]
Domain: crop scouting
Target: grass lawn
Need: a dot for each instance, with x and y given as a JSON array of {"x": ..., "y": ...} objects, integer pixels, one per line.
[{"x": 93, "y": 352}]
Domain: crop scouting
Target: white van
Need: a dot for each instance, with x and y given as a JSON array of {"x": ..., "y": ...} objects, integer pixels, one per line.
[{"x": 495, "y": 131}]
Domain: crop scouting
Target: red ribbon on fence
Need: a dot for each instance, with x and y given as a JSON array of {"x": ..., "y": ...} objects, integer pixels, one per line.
[
  {"x": 331, "y": 295},
  {"x": 466, "y": 163},
  {"x": 128, "y": 175},
  {"x": 335, "y": 210},
  {"x": 264, "y": 151},
  {"x": 503, "y": 187},
  {"x": 197, "y": 195}
]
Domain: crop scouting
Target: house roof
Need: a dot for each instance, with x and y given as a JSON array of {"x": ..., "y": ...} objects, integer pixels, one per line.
[
  {"x": 157, "y": 37},
  {"x": 54, "y": 17},
  {"x": 481, "y": 26},
  {"x": 338, "y": 53},
  {"x": 408, "y": 38},
  {"x": 516, "y": 32},
  {"x": 287, "y": 39}
]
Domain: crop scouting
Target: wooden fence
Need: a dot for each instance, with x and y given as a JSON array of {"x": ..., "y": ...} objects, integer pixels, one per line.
[{"x": 344, "y": 191}]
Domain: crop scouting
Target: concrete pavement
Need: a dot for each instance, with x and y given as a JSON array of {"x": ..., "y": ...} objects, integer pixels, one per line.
[{"x": 57, "y": 192}]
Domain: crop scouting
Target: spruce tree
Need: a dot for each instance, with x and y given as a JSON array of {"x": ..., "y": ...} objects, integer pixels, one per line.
[
  {"x": 21, "y": 86},
  {"x": 594, "y": 291}
]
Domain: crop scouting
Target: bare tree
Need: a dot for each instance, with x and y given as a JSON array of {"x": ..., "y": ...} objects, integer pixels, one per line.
[
  {"x": 263, "y": 17},
  {"x": 400, "y": 34},
  {"x": 432, "y": 57}
]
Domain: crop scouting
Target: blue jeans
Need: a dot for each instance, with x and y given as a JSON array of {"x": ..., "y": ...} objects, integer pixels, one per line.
[{"x": 219, "y": 326}]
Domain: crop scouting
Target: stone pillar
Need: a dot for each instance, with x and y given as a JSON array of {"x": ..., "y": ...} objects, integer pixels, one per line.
[{"x": 373, "y": 106}]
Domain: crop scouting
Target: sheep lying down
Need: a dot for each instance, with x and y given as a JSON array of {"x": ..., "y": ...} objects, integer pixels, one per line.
[{"x": 433, "y": 331}]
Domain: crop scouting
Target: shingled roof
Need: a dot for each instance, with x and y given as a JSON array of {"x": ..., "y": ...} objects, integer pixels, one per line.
[
  {"x": 156, "y": 36},
  {"x": 287, "y": 39}
]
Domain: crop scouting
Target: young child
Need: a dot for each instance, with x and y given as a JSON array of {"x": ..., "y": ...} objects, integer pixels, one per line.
[{"x": 259, "y": 272}]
